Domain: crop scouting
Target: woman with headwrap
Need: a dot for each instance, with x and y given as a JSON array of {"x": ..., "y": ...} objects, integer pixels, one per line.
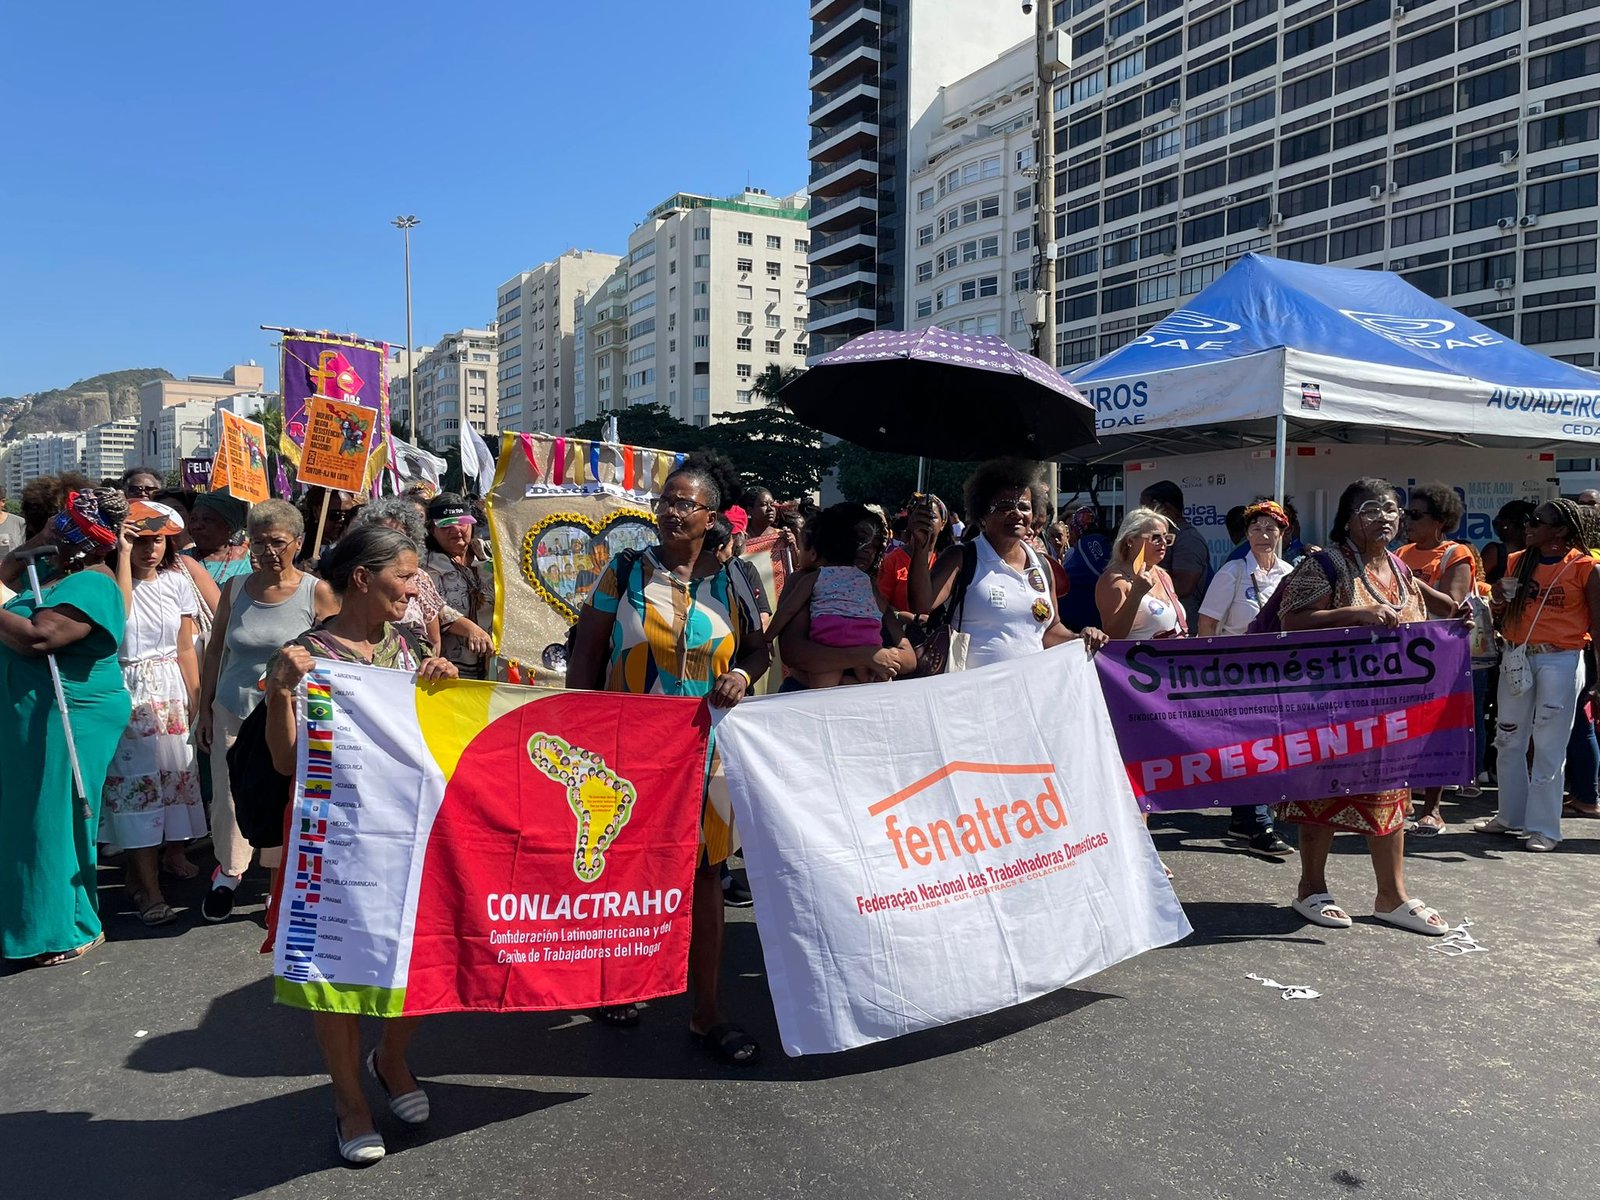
[
  {"x": 217, "y": 527},
  {"x": 48, "y": 872}
]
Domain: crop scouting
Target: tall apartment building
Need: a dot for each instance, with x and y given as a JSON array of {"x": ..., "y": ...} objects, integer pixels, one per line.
[
  {"x": 601, "y": 347},
  {"x": 40, "y": 454},
  {"x": 455, "y": 382},
  {"x": 972, "y": 208},
  {"x": 108, "y": 447},
  {"x": 1454, "y": 143},
  {"x": 536, "y": 317},
  {"x": 716, "y": 293},
  {"x": 160, "y": 394},
  {"x": 876, "y": 70}
]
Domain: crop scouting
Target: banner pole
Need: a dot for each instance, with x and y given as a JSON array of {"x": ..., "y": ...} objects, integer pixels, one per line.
[
  {"x": 1278, "y": 463},
  {"x": 322, "y": 519}
]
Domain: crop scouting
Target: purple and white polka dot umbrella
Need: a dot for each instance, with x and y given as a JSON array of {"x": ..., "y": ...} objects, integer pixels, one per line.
[{"x": 942, "y": 395}]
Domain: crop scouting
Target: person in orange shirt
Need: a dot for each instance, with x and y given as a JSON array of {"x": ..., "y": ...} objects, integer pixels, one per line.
[
  {"x": 1444, "y": 569},
  {"x": 896, "y": 567},
  {"x": 1549, "y": 602}
]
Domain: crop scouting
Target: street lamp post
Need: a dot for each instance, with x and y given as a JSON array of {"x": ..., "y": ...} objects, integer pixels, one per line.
[
  {"x": 405, "y": 225},
  {"x": 1049, "y": 58}
]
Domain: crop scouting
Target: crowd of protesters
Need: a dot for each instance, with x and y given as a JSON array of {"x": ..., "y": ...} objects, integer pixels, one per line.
[{"x": 173, "y": 617}]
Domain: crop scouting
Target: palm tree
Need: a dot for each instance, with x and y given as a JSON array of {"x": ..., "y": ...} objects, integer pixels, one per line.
[{"x": 771, "y": 380}]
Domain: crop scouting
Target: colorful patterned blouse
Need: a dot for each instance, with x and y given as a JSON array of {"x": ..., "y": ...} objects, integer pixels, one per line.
[{"x": 670, "y": 638}]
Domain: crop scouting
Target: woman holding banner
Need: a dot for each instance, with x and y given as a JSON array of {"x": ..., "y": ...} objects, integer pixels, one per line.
[
  {"x": 373, "y": 570},
  {"x": 674, "y": 621},
  {"x": 1357, "y": 582},
  {"x": 999, "y": 588}
]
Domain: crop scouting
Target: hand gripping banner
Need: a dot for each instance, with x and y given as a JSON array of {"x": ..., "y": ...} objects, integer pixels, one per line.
[{"x": 485, "y": 847}]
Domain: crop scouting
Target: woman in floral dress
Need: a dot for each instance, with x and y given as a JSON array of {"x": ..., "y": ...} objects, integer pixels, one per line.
[{"x": 152, "y": 790}]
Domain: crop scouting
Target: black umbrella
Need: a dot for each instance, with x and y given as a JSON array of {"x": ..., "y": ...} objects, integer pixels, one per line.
[{"x": 941, "y": 395}]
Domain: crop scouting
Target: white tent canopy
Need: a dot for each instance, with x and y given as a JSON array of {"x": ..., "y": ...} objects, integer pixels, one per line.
[{"x": 1331, "y": 354}]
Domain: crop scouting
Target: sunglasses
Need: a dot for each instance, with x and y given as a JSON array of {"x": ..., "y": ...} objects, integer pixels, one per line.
[
  {"x": 1418, "y": 514},
  {"x": 1160, "y": 539},
  {"x": 134, "y": 489},
  {"x": 1373, "y": 509}
]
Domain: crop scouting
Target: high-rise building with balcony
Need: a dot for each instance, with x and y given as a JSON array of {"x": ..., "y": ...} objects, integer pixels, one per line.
[
  {"x": 601, "y": 347},
  {"x": 876, "y": 70},
  {"x": 536, "y": 315},
  {"x": 1457, "y": 144}
]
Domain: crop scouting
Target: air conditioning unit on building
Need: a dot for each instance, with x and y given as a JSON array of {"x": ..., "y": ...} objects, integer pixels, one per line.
[
  {"x": 1277, "y": 218},
  {"x": 1507, "y": 157},
  {"x": 1536, "y": 108},
  {"x": 1530, "y": 219},
  {"x": 1514, "y": 51},
  {"x": 1375, "y": 192},
  {"x": 1507, "y": 223},
  {"x": 1183, "y": 213},
  {"x": 1503, "y": 284},
  {"x": 1392, "y": 188},
  {"x": 1400, "y": 89},
  {"x": 1399, "y": 11},
  {"x": 1175, "y": 106}
]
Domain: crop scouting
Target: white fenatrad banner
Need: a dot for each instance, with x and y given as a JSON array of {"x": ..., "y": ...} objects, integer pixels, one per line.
[{"x": 936, "y": 849}]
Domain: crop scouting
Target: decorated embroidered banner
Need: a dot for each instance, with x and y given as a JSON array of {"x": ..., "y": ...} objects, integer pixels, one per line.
[
  {"x": 240, "y": 465},
  {"x": 930, "y": 850},
  {"x": 486, "y": 847},
  {"x": 348, "y": 369},
  {"x": 1210, "y": 722},
  {"x": 338, "y": 441},
  {"x": 560, "y": 510}
]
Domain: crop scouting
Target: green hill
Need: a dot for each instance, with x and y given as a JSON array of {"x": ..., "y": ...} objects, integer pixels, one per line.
[{"x": 113, "y": 395}]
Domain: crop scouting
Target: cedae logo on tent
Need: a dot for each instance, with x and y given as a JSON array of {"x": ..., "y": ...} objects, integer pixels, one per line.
[
  {"x": 1185, "y": 329},
  {"x": 1419, "y": 333},
  {"x": 601, "y": 800},
  {"x": 983, "y": 825}
]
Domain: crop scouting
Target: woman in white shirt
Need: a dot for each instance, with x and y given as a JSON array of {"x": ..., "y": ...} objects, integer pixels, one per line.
[
  {"x": 1135, "y": 595},
  {"x": 1237, "y": 593},
  {"x": 1009, "y": 607},
  {"x": 1243, "y": 585}
]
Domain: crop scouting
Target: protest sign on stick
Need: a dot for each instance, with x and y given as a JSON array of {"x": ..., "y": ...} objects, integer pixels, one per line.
[
  {"x": 243, "y": 459},
  {"x": 338, "y": 443}
]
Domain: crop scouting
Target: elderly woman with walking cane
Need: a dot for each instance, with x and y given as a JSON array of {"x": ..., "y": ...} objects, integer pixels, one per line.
[{"x": 58, "y": 656}]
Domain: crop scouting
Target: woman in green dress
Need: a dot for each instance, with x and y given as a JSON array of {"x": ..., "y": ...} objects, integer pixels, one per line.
[{"x": 48, "y": 911}]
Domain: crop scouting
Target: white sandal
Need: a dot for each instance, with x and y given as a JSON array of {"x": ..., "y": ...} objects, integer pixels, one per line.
[
  {"x": 1415, "y": 916},
  {"x": 412, "y": 1107},
  {"x": 1316, "y": 909}
]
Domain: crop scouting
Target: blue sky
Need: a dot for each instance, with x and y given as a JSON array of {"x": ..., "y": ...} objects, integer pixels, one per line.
[{"x": 181, "y": 173}]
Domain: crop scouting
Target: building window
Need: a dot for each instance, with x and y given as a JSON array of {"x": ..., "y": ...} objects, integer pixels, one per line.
[
  {"x": 1022, "y": 239},
  {"x": 1552, "y": 262},
  {"x": 702, "y": 234},
  {"x": 774, "y": 321},
  {"x": 924, "y": 271},
  {"x": 702, "y": 261},
  {"x": 744, "y": 370},
  {"x": 801, "y": 246},
  {"x": 1561, "y": 195},
  {"x": 746, "y": 238},
  {"x": 744, "y": 317},
  {"x": 700, "y": 314},
  {"x": 1021, "y": 281},
  {"x": 746, "y": 265},
  {"x": 702, "y": 341},
  {"x": 774, "y": 242},
  {"x": 774, "y": 270},
  {"x": 741, "y": 344},
  {"x": 1570, "y": 62},
  {"x": 1558, "y": 325},
  {"x": 925, "y": 307},
  {"x": 1351, "y": 243},
  {"x": 702, "y": 289},
  {"x": 774, "y": 347},
  {"x": 925, "y": 235},
  {"x": 801, "y": 349}
]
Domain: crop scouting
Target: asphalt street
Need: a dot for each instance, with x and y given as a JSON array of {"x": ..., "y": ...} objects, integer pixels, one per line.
[{"x": 159, "y": 1067}]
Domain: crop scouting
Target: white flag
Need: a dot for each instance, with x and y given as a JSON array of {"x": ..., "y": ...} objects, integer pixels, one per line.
[
  {"x": 989, "y": 852},
  {"x": 416, "y": 467},
  {"x": 477, "y": 461}
]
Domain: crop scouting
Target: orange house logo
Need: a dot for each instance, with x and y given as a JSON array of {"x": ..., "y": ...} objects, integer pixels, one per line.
[{"x": 984, "y": 826}]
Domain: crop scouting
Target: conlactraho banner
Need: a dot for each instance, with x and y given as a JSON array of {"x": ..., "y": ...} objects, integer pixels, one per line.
[
  {"x": 486, "y": 847},
  {"x": 1210, "y": 722},
  {"x": 939, "y": 848}
]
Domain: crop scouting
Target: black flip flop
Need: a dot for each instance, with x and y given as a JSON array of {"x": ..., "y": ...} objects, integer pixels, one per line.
[{"x": 724, "y": 1041}]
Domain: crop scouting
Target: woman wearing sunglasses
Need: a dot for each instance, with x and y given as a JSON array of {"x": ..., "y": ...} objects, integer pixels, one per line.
[
  {"x": 1358, "y": 582},
  {"x": 998, "y": 587},
  {"x": 1135, "y": 594}
]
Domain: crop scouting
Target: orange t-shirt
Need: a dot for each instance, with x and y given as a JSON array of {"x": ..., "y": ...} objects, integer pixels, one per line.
[
  {"x": 1429, "y": 565},
  {"x": 1560, "y": 587},
  {"x": 894, "y": 578}
]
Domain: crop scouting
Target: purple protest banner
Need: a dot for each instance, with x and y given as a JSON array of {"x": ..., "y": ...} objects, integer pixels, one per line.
[
  {"x": 325, "y": 364},
  {"x": 195, "y": 473},
  {"x": 1213, "y": 722}
]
